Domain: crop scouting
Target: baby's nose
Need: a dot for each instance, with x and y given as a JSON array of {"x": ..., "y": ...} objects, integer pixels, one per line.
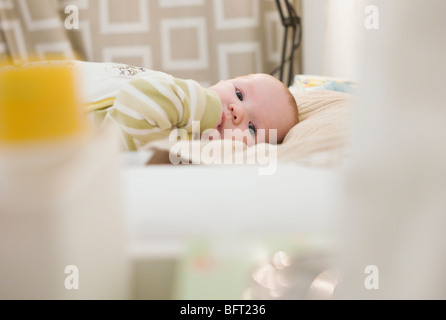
[{"x": 237, "y": 113}]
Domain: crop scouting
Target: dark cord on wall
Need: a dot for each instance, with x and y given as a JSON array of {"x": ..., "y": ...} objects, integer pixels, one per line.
[{"x": 290, "y": 20}]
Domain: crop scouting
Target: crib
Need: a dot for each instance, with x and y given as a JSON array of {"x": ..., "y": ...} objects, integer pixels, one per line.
[
  {"x": 162, "y": 231},
  {"x": 230, "y": 219}
]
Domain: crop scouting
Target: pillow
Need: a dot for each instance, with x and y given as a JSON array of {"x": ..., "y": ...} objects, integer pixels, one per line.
[
  {"x": 322, "y": 135},
  {"x": 319, "y": 139}
]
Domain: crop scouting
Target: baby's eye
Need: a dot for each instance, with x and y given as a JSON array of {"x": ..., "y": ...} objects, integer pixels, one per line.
[
  {"x": 252, "y": 129},
  {"x": 239, "y": 94}
]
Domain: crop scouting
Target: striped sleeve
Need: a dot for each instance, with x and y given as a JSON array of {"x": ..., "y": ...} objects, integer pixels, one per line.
[{"x": 148, "y": 108}]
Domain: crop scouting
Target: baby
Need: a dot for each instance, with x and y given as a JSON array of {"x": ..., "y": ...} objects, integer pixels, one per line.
[
  {"x": 147, "y": 105},
  {"x": 256, "y": 103}
]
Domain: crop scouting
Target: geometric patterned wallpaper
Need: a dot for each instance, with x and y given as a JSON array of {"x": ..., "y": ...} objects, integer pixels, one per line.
[{"x": 206, "y": 40}]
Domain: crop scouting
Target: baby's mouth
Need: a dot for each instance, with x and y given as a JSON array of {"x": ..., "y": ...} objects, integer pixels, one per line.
[{"x": 222, "y": 122}]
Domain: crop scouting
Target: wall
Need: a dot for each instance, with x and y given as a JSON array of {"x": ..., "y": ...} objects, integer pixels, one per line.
[
  {"x": 313, "y": 25},
  {"x": 200, "y": 39},
  {"x": 331, "y": 37}
]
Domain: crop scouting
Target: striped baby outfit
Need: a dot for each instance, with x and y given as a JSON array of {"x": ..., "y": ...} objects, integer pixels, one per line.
[{"x": 146, "y": 104}]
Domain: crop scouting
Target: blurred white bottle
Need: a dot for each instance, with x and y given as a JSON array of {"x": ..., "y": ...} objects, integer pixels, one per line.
[{"x": 62, "y": 230}]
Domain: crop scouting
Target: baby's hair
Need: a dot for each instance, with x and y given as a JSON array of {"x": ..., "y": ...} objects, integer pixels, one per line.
[
  {"x": 293, "y": 103},
  {"x": 291, "y": 100}
]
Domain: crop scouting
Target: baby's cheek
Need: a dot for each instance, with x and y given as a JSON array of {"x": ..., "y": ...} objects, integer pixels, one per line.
[
  {"x": 246, "y": 138},
  {"x": 251, "y": 141},
  {"x": 210, "y": 135}
]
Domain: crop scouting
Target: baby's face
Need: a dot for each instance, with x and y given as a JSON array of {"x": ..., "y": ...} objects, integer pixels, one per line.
[{"x": 255, "y": 104}]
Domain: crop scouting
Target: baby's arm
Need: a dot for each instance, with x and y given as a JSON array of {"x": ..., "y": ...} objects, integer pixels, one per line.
[{"x": 149, "y": 107}]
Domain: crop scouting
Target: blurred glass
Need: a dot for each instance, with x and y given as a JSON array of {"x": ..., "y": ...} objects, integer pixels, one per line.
[{"x": 308, "y": 276}]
